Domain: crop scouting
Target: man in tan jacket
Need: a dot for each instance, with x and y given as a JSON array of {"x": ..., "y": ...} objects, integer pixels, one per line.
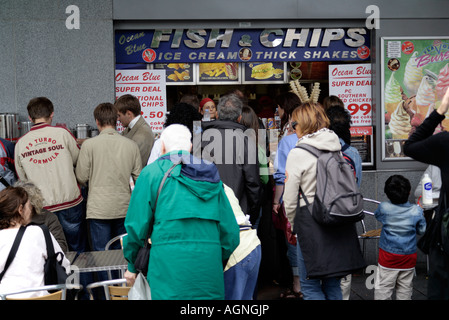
[
  {"x": 136, "y": 128},
  {"x": 107, "y": 162}
]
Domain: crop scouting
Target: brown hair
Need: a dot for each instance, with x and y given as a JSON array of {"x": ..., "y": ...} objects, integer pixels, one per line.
[
  {"x": 10, "y": 200},
  {"x": 106, "y": 114},
  {"x": 250, "y": 120},
  {"x": 310, "y": 117},
  {"x": 128, "y": 102},
  {"x": 40, "y": 107}
]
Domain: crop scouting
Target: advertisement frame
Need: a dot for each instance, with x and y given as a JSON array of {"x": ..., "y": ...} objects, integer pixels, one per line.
[{"x": 383, "y": 41}]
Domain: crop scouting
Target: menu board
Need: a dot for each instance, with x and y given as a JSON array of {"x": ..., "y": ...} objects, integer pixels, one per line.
[
  {"x": 264, "y": 72},
  {"x": 149, "y": 87},
  {"x": 415, "y": 76},
  {"x": 352, "y": 83},
  {"x": 177, "y": 73},
  {"x": 218, "y": 73}
]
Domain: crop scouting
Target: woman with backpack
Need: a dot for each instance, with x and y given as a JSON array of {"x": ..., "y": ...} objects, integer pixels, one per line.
[{"x": 326, "y": 253}]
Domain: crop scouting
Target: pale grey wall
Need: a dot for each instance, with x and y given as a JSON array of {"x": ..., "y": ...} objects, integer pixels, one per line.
[{"x": 41, "y": 57}]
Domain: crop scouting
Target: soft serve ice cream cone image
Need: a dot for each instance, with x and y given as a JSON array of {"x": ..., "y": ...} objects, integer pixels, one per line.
[
  {"x": 442, "y": 82},
  {"x": 392, "y": 95},
  {"x": 425, "y": 97},
  {"x": 399, "y": 125},
  {"x": 412, "y": 75}
]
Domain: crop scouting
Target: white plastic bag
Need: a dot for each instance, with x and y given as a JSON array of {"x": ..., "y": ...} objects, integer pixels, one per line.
[{"x": 140, "y": 290}]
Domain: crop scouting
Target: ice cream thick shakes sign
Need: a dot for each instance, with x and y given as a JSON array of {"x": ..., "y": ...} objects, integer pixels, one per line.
[{"x": 236, "y": 45}]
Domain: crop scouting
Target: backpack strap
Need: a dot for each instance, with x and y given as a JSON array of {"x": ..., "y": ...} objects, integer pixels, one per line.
[
  {"x": 315, "y": 151},
  {"x": 13, "y": 251}
]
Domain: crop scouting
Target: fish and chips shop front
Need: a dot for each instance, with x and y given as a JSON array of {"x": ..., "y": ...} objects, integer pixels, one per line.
[{"x": 261, "y": 63}]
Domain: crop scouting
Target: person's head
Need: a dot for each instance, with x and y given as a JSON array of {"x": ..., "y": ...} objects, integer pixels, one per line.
[
  {"x": 249, "y": 118},
  {"x": 105, "y": 115},
  {"x": 331, "y": 101},
  {"x": 340, "y": 122},
  {"x": 208, "y": 104},
  {"x": 230, "y": 108},
  {"x": 286, "y": 103},
  {"x": 397, "y": 188},
  {"x": 308, "y": 118},
  {"x": 15, "y": 208},
  {"x": 183, "y": 113},
  {"x": 40, "y": 108},
  {"x": 176, "y": 137},
  {"x": 34, "y": 195},
  {"x": 128, "y": 107},
  {"x": 191, "y": 99}
]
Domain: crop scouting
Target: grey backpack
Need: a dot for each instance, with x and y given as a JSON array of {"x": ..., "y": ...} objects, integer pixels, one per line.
[{"x": 337, "y": 198}]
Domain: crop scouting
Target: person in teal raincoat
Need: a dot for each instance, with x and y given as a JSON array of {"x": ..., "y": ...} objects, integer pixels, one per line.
[{"x": 194, "y": 230}]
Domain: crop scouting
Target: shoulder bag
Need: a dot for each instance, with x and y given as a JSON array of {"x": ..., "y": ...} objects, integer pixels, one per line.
[
  {"x": 143, "y": 255},
  {"x": 13, "y": 251},
  {"x": 54, "y": 272}
]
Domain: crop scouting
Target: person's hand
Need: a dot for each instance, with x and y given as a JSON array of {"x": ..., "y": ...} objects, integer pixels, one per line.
[
  {"x": 276, "y": 207},
  {"x": 130, "y": 278},
  {"x": 444, "y": 106}
]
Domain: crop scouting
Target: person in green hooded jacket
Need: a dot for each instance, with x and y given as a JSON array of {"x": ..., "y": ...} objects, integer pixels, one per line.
[{"x": 194, "y": 230}]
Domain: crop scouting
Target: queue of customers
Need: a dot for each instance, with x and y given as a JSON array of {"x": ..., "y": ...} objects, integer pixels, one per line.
[{"x": 205, "y": 215}]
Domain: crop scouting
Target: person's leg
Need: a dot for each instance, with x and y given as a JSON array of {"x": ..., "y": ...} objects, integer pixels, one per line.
[
  {"x": 332, "y": 288},
  {"x": 384, "y": 283},
  {"x": 73, "y": 223},
  {"x": 404, "y": 285},
  {"x": 438, "y": 284},
  {"x": 311, "y": 288},
  {"x": 252, "y": 268},
  {"x": 345, "y": 284}
]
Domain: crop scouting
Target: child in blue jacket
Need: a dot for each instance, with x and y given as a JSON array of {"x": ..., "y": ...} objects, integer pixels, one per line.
[{"x": 401, "y": 222}]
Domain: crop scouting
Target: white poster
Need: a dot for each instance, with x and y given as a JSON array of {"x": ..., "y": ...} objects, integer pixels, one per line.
[
  {"x": 352, "y": 84},
  {"x": 149, "y": 87}
]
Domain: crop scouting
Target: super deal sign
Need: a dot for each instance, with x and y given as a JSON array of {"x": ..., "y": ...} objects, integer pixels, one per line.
[
  {"x": 149, "y": 87},
  {"x": 352, "y": 84}
]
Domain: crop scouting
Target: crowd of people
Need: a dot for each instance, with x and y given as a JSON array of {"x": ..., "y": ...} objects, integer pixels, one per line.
[{"x": 205, "y": 214}]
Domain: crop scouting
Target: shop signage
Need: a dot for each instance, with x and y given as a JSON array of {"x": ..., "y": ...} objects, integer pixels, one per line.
[
  {"x": 352, "y": 84},
  {"x": 242, "y": 45},
  {"x": 149, "y": 87}
]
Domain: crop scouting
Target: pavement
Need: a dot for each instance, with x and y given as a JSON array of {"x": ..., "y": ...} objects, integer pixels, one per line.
[{"x": 361, "y": 286}]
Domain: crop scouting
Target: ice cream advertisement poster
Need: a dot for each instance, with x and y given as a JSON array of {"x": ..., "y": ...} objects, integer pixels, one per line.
[{"x": 415, "y": 75}]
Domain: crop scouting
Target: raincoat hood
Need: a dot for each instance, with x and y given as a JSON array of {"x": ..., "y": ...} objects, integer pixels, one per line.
[{"x": 199, "y": 176}]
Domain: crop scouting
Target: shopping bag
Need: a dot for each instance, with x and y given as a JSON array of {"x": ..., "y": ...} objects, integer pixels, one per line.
[{"x": 140, "y": 290}]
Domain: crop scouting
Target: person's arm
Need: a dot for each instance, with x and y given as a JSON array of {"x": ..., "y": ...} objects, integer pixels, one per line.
[{"x": 83, "y": 165}]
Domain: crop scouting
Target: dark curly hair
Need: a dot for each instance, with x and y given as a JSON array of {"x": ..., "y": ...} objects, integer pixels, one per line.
[
  {"x": 11, "y": 199},
  {"x": 183, "y": 113},
  {"x": 340, "y": 122},
  {"x": 397, "y": 188}
]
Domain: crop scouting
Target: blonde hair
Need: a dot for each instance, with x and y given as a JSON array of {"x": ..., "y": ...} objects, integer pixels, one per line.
[{"x": 310, "y": 117}]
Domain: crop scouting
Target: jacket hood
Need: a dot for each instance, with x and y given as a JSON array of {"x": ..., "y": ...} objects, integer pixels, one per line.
[
  {"x": 324, "y": 139},
  {"x": 199, "y": 176}
]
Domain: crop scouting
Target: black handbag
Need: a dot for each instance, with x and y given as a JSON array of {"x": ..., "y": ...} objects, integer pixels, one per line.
[
  {"x": 54, "y": 272},
  {"x": 143, "y": 255},
  {"x": 437, "y": 232},
  {"x": 13, "y": 251}
]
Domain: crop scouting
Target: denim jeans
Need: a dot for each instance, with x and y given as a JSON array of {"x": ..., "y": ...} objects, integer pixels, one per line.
[
  {"x": 317, "y": 289},
  {"x": 101, "y": 231},
  {"x": 73, "y": 223},
  {"x": 241, "y": 279}
]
